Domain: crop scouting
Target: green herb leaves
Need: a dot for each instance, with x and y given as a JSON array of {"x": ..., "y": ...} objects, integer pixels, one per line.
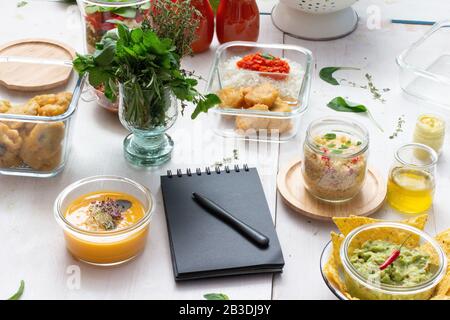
[
  {"x": 267, "y": 56},
  {"x": 341, "y": 105},
  {"x": 330, "y": 136},
  {"x": 326, "y": 74},
  {"x": 19, "y": 293},
  {"x": 216, "y": 296},
  {"x": 148, "y": 67}
]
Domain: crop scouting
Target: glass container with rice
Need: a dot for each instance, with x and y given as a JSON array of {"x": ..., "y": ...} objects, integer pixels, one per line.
[{"x": 264, "y": 89}]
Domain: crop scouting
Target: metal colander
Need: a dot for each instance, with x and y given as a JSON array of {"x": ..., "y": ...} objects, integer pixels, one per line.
[{"x": 318, "y": 6}]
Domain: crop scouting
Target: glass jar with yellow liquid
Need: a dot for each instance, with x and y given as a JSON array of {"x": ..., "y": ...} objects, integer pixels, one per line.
[{"x": 411, "y": 181}]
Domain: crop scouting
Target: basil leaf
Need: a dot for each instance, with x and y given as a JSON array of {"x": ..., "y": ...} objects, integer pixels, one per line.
[
  {"x": 209, "y": 101},
  {"x": 341, "y": 105},
  {"x": 19, "y": 293},
  {"x": 126, "y": 12},
  {"x": 216, "y": 296},
  {"x": 330, "y": 136},
  {"x": 326, "y": 74}
]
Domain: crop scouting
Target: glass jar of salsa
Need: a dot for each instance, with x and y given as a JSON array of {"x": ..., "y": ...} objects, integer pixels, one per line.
[
  {"x": 237, "y": 20},
  {"x": 205, "y": 29}
]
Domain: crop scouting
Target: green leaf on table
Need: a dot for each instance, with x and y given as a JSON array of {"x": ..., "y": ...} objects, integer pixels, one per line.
[
  {"x": 216, "y": 296},
  {"x": 327, "y": 74},
  {"x": 19, "y": 293},
  {"x": 341, "y": 105}
]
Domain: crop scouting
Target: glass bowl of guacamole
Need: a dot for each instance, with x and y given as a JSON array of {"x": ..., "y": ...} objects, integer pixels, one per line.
[{"x": 391, "y": 261}]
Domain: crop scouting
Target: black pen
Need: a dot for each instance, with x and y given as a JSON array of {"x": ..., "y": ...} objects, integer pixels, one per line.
[{"x": 250, "y": 233}]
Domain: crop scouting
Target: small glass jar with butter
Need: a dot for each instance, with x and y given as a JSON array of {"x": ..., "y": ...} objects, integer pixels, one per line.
[{"x": 430, "y": 131}]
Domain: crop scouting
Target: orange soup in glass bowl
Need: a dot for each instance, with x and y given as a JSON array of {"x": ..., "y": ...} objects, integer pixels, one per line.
[{"x": 105, "y": 219}]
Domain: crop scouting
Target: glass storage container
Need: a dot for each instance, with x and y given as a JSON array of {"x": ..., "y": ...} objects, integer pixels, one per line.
[
  {"x": 104, "y": 248},
  {"x": 260, "y": 122},
  {"x": 425, "y": 66},
  {"x": 334, "y": 164},
  {"x": 411, "y": 180},
  {"x": 101, "y": 16},
  {"x": 34, "y": 134},
  {"x": 376, "y": 284}
]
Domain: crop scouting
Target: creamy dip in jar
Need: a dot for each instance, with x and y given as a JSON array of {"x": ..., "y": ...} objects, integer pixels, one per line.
[{"x": 335, "y": 159}]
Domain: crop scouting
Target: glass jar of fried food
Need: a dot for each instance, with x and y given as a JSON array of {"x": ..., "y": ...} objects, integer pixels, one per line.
[{"x": 33, "y": 134}]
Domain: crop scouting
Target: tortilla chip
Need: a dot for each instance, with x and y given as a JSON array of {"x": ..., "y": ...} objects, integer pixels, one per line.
[
  {"x": 443, "y": 239},
  {"x": 337, "y": 239},
  {"x": 418, "y": 222},
  {"x": 440, "y": 298},
  {"x": 443, "y": 288},
  {"x": 347, "y": 224}
]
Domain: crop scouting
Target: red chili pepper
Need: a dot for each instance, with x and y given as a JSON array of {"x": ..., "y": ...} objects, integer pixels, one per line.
[{"x": 394, "y": 256}]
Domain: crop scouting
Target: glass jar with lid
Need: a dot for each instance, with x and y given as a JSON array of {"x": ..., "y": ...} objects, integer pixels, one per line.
[
  {"x": 411, "y": 181},
  {"x": 334, "y": 165}
]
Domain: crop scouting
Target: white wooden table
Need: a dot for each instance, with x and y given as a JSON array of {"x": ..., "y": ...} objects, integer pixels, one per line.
[{"x": 31, "y": 243}]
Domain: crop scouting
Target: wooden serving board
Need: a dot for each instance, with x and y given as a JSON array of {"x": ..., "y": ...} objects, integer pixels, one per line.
[
  {"x": 35, "y": 77},
  {"x": 291, "y": 187}
]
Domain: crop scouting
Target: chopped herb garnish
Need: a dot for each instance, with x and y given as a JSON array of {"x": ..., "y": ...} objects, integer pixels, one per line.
[
  {"x": 337, "y": 151},
  {"x": 359, "y": 143},
  {"x": 400, "y": 122},
  {"x": 343, "y": 147},
  {"x": 108, "y": 212},
  {"x": 331, "y": 145},
  {"x": 267, "y": 56},
  {"x": 330, "y": 136}
]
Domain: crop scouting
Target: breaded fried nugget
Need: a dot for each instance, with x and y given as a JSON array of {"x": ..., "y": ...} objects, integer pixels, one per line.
[
  {"x": 262, "y": 94},
  {"x": 30, "y": 108},
  {"x": 5, "y": 105},
  {"x": 231, "y": 97},
  {"x": 280, "y": 106},
  {"x": 51, "y": 110},
  {"x": 282, "y": 125},
  {"x": 246, "y": 123},
  {"x": 51, "y": 105},
  {"x": 41, "y": 149},
  {"x": 10, "y": 144}
]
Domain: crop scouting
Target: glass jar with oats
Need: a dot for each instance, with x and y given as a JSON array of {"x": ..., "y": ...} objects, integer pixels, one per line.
[{"x": 334, "y": 165}]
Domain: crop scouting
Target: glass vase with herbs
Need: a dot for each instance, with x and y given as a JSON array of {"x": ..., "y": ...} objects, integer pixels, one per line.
[{"x": 142, "y": 71}]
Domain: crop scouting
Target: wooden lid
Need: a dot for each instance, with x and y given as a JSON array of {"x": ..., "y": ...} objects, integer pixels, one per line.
[
  {"x": 291, "y": 187},
  {"x": 35, "y": 77}
]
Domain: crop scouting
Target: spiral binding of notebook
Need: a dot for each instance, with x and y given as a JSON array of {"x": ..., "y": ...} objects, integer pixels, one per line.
[
  {"x": 203, "y": 246},
  {"x": 207, "y": 171}
]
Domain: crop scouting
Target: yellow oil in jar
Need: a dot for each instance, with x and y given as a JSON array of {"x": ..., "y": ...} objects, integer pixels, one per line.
[{"x": 410, "y": 190}]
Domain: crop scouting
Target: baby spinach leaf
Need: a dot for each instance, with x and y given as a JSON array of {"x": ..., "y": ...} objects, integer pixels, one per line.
[
  {"x": 341, "y": 105},
  {"x": 216, "y": 296},
  {"x": 19, "y": 293},
  {"x": 326, "y": 74}
]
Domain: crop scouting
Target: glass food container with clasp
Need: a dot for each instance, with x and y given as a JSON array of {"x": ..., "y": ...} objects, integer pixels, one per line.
[
  {"x": 36, "y": 126},
  {"x": 266, "y": 121},
  {"x": 335, "y": 158},
  {"x": 411, "y": 180}
]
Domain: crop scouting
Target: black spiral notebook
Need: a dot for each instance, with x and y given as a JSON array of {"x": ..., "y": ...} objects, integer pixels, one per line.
[{"x": 202, "y": 245}]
